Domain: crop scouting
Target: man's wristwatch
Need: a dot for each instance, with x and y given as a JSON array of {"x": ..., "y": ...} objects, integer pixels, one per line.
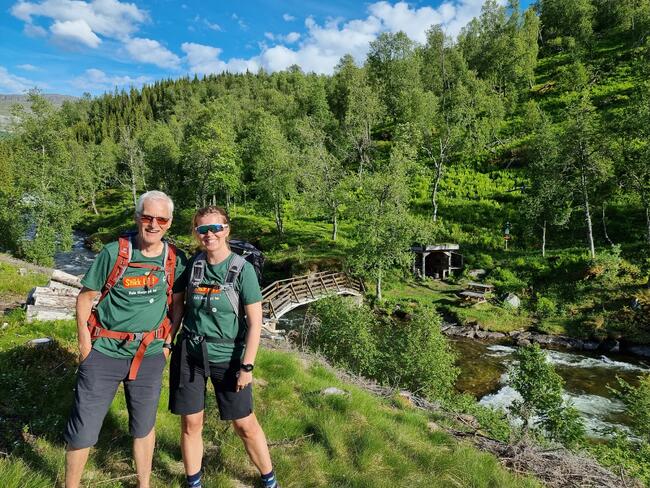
[
  {"x": 168, "y": 345},
  {"x": 247, "y": 367}
]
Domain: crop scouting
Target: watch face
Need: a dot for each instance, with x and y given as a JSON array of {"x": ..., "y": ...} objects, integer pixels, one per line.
[{"x": 247, "y": 367}]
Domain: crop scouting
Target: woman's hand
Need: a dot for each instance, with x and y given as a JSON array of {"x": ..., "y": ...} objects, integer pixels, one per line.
[{"x": 244, "y": 379}]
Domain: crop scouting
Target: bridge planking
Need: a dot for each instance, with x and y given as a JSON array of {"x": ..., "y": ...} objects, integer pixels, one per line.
[{"x": 283, "y": 296}]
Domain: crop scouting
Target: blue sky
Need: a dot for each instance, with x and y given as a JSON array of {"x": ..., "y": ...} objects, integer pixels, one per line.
[{"x": 76, "y": 46}]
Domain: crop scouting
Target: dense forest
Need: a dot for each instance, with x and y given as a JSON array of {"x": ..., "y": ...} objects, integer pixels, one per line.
[
  {"x": 532, "y": 125},
  {"x": 533, "y": 120}
]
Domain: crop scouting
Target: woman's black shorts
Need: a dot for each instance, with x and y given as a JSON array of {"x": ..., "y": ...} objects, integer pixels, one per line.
[{"x": 187, "y": 387}]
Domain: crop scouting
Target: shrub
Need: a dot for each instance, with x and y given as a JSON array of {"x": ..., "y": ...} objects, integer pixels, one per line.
[
  {"x": 345, "y": 335},
  {"x": 416, "y": 355},
  {"x": 637, "y": 404},
  {"x": 506, "y": 280},
  {"x": 545, "y": 307},
  {"x": 541, "y": 390}
]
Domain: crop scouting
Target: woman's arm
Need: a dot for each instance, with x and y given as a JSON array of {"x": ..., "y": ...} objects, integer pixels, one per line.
[{"x": 254, "y": 320}]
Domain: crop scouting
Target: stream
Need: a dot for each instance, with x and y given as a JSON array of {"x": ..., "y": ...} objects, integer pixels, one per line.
[
  {"x": 484, "y": 374},
  {"x": 484, "y": 366}
]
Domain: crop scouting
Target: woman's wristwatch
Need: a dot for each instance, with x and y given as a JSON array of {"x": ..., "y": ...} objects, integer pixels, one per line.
[
  {"x": 247, "y": 367},
  {"x": 168, "y": 345}
]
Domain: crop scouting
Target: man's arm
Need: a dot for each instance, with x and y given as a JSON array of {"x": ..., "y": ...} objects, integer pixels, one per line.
[{"x": 84, "y": 307}]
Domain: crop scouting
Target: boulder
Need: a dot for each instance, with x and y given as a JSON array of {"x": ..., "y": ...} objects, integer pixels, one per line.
[
  {"x": 513, "y": 300},
  {"x": 332, "y": 390},
  {"x": 639, "y": 350},
  {"x": 477, "y": 273}
]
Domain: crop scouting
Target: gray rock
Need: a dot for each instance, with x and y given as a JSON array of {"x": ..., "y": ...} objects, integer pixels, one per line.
[
  {"x": 332, "y": 390},
  {"x": 589, "y": 345},
  {"x": 477, "y": 273},
  {"x": 523, "y": 342},
  {"x": 639, "y": 350},
  {"x": 513, "y": 300}
]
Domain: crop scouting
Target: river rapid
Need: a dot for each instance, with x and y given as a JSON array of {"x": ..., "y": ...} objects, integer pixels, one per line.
[
  {"x": 484, "y": 370},
  {"x": 484, "y": 366}
]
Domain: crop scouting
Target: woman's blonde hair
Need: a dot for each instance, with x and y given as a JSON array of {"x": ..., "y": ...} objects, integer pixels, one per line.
[{"x": 210, "y": 209}]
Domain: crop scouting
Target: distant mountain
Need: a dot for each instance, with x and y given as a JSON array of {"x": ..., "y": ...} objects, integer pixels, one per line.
[{"x": 7, "y": 101}]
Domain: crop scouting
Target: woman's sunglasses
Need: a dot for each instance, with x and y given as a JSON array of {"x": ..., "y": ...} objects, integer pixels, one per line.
[
  {"x": 214, "y": 228},
  {"x": 147, "y": 219}
]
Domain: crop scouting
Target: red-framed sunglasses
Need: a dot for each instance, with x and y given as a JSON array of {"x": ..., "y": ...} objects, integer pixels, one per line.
[{"x": 147, "y": 219}]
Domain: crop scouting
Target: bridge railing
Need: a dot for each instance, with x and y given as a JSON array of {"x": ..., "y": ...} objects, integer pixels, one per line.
[{"x": 284, "y": 295}]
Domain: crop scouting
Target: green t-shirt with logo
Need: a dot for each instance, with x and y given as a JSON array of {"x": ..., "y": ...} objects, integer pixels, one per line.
[
  {"x": 137, "y": 302},
  {"x": 216, "y": 317}
]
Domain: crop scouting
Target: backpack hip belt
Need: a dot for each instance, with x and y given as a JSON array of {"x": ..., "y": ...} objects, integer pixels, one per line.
[
  {"x": 186, "y": 335},
  {"x": 161, "y": 332},
  {"x": 125, "y": 253}
]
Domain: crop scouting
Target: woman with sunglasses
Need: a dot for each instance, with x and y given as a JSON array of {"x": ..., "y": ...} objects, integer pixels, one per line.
[{"x": 219, "y": 342}]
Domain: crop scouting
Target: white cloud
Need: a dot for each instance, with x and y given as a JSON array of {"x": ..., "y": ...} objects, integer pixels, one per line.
[
  {"x": 96, "y": 80},
  {"x": 76, "y": 31},
  {"x": 14, "y": 84},
  {"x": 152, "y": 52},
  {"x": 290, "y": 38},
  {"x": 322, "y": 46},
  {"x": 288, "y": 18},
  {"x": 242, "y": 25},
  {"x": 212, "y": 26},
  {"x": 28, "y": 67},
  {"x": 204, "y": 59},
  {"x": 453, "y": 15},
  {"x": 32, "y": 30},
  {"x": 110, "y": 18}
]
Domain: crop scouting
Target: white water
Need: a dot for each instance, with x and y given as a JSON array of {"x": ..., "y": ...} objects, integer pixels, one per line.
[
  {"x": 77, "y": 260},
  {"x": 596, "y": 410}
]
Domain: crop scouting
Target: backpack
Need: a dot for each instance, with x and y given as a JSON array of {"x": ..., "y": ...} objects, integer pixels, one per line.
[
  {"x": 123, "y": 261},
  {"x": 251, "y": 254}
]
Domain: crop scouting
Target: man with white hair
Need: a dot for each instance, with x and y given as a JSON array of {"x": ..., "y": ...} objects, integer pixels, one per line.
[{"x": 126, "y": 337}]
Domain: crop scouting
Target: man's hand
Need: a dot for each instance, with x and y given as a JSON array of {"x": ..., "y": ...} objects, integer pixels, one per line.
[
  {"x": 243, "y": 379},
  {"x": 84, "y": 350}
]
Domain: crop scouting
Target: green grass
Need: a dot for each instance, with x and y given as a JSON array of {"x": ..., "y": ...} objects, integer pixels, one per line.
[
  {"x": 357, "y": 440},
  {"x": 15, "y": 282}
]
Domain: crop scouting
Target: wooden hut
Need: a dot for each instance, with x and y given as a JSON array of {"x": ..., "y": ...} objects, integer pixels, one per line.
[{"x": 437, "y": 261}]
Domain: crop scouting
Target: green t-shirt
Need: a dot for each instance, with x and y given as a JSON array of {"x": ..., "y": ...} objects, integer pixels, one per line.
[
  {"x": 137, "y": 302},
  {"x": 218, "y": 319}
]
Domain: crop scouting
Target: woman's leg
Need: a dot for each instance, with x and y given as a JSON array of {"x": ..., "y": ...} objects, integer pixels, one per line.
[
  {"x": 250, "y": 431},
  {"x": 192, "y": 442}
]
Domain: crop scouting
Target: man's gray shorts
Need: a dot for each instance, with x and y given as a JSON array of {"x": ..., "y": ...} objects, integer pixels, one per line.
[{"x": 97, "y": 381}]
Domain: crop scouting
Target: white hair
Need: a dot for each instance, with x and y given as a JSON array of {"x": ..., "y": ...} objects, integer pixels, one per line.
[{"x": 154, "y": 195}]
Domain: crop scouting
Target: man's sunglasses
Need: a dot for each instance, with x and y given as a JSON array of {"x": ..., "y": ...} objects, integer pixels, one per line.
[
  {"x": 148, "y": 219},
  {"x": 214, "y": 228}
]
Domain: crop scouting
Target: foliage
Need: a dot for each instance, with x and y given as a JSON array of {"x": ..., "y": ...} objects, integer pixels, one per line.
[
  {"x": 417, "y": 356},
  {"x": 327, "y": 447},
  {"x": 637, "y": 404},
  {"x": 345, "y": 336},
  {"x": 541, "y": 391}
]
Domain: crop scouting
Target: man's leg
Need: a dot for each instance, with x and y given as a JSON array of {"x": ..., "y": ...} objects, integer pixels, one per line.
[
  {"x": 143, "y": 456},
  {"x": 142, "y": 396},
  {"x": 97, "y": 381},
  {"x": 75, "y": 460}
]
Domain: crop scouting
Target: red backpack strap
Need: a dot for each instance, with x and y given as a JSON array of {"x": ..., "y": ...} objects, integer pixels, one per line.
[
  {"x": 125, "y": 250},
  {"x": 170, "y": 271}
]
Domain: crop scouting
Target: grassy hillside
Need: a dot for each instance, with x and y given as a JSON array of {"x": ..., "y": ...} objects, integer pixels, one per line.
[{"x": 355, "y": 440}]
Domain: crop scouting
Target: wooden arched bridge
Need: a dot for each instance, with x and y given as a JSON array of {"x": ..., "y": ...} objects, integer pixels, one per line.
[{"x": 283, "y": 296}]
